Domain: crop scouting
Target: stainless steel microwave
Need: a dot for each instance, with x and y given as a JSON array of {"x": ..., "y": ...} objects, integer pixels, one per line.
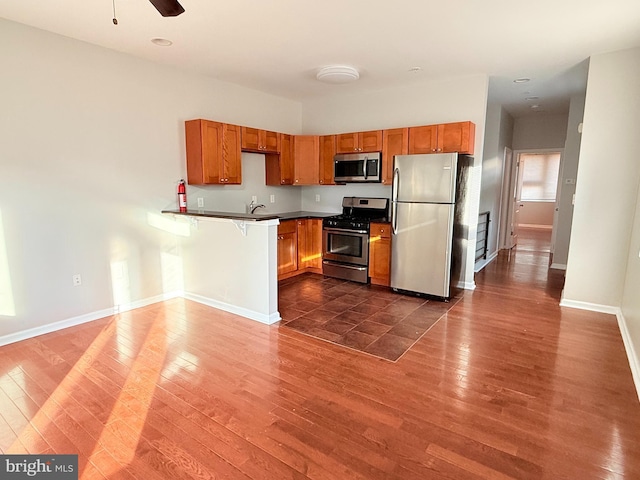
[{"x": 357, "y": 167}]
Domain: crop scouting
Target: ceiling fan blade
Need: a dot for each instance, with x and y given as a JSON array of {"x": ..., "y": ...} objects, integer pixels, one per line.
[{"x": 168, "y": 8}]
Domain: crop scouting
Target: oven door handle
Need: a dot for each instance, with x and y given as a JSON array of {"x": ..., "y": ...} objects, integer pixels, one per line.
[
  {"x": 342, "y": 265},
  {"x": 343, "y": 230}
]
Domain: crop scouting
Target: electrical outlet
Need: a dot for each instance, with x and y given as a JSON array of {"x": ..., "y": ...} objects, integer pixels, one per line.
[
  {"x": 77, "y": 280},
  {"x": 272, "y": 198},
  {"x": 254, "y": 198},
  {"x": 317, "y": 198},
  {"x": 200, "y": 202}
]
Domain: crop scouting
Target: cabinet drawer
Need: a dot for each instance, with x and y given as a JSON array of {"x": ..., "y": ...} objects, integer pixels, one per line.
[
  {"x": 380, "y": 230},
  {"x": 288, "y": 226}
]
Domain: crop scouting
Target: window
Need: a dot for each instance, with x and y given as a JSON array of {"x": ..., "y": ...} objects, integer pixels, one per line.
[{"x": 539, "y": 176}]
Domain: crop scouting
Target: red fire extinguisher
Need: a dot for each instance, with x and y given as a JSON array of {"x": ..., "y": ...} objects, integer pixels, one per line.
[{"x": 182, "y": 196}]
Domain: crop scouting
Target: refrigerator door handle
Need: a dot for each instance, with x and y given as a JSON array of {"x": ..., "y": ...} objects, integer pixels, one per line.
[
  {"x": 394, "y": 201},
  {"x": 394, "y": 218},
  {"x": 395, "y": 184}
]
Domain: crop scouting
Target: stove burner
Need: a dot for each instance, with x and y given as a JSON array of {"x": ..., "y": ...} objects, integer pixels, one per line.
[{"x": 357, "y": 213}]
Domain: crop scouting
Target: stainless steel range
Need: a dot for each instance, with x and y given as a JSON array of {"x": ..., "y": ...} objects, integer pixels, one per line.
[{"x": 345, "y": 238}]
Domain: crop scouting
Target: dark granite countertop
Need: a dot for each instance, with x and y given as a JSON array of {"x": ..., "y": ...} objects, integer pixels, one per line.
[{"x": 256, "y": 217}]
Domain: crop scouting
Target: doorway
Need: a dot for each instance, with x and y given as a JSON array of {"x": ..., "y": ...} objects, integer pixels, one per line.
[{"x": 534, "y": 191}]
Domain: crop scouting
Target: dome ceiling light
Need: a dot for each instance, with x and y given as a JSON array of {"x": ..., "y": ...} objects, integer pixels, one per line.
[{"x": 337, "y": 74}]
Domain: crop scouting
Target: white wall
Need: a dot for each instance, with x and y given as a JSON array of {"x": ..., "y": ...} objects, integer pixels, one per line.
[
  {"x": 456, "y": 99},
  {"x": 498, "y": 135},
  {"x": 569, "y": 170},
  {"x": 540, "y": 131},
  {"x": 607, "y": 187},
  {"x": 91, "y": 148},
  {"x": 631, "y": 298},
  {"x": 536, "y": 214}
]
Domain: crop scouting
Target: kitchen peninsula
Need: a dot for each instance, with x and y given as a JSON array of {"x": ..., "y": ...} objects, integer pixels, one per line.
[{"x": 239, "y": 272}]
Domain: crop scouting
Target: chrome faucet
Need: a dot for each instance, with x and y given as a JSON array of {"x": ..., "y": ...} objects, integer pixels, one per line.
[{"x": 253, "y": 207}]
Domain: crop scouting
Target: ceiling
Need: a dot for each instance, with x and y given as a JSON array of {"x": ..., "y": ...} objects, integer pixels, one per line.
[{"x": 277, "y": 47}]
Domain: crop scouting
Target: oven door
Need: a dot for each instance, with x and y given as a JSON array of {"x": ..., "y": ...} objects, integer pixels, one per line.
[{"x": 345, "y": 246}]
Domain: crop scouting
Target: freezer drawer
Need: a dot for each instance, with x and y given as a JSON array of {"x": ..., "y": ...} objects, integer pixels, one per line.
[{"x": 421, "y": 247}]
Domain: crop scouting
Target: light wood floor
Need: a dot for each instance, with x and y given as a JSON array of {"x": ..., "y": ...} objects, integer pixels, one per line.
[{"x": 507, "y": 385}]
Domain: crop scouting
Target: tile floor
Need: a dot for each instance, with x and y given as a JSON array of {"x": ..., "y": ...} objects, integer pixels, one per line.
[{"x": 367, "y": 318}]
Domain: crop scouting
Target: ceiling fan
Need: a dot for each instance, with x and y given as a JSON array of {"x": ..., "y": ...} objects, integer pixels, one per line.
[{"x": 168, "y": 8}]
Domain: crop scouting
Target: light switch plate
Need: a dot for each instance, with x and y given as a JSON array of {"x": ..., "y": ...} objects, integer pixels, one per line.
[
  {"x": 200, "y": 202},
  {"x": 272, "y": 198}
]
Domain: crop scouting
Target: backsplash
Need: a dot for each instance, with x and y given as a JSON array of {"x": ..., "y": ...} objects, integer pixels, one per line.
[{"x": 235, "y": 198}]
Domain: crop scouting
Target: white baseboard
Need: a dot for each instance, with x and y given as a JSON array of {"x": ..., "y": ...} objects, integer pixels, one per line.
[
  {"x": 480, "y": 265},
  {"x": 558, "y": 266},
  {"x": 243, "y": 312},
  {"x": 466, "y": 285},
  {"x": 80, "y": 319},
  {"x": 593, "y": 307},
  {"x": 632, "y": 356}
]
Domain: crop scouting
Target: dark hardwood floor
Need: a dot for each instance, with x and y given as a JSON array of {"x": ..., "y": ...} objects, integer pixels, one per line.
[{"x": 506, "y": 385}]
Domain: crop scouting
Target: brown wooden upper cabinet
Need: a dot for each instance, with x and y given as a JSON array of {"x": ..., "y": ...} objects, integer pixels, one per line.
[
  {"x": 359, "y": 142},
  {"x": 256, "y": 140},
  {"x": 213, "y": 153},
  {"x": 327, "y": 152},
  {"x": 394, "y": 142},
  {"x": 306, "y": 154},
  {"x": 445, "y": 138},
  {"x": 280, "y": 167}
]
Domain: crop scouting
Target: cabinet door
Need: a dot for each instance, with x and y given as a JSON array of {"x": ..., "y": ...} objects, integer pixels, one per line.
[
  {"x": 370, "y": 141},
  {"x": 251, "y": 139},
  {"x": 347, "y": 143},
  {"x": 287, "y": 247},
  {"x": 380, "y": 254},
  {"x": 457, "y": 137},
  {"x": 213, "y": 152},
  {"x": 423, "y": 139},
  {"x": 327, "y": 152},
  {"x": 271, "y": 142},
  {"x": 231, "y": 165},
  {"x": 310, "y": 244},
  {"x": 279, "y": 167},
  {"x": 394, "y": 142},
  {"x": 256, "y": 140},
  {"x": 306, "y": 149}
]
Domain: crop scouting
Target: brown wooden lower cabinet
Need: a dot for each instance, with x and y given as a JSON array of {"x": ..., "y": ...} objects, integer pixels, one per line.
[
  {"x": 287, "y": 248},
  {"x": 299, "y": 247},
  {"x": 380, "y": 254}
]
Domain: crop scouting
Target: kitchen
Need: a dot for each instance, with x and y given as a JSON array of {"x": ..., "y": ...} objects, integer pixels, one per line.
[{"x": 340, "y": 244}]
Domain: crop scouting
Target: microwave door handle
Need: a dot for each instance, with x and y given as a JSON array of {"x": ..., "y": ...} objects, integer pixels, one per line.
[{"x": 366, "y": 169}]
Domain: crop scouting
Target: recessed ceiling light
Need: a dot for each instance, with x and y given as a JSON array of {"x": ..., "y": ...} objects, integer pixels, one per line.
[
  {"x": 522, "y": 80},
  {"x": 415, "y": 69},
  {"x": 337, "y": 74},
  {"x": 161, "y": 42},
  {"x": 535, "y": 107},
  {"x": 532, "y": 98}
]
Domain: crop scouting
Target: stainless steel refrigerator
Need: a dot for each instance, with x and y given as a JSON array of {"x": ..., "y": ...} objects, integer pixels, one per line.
[{"x": 427, "y": 208}]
